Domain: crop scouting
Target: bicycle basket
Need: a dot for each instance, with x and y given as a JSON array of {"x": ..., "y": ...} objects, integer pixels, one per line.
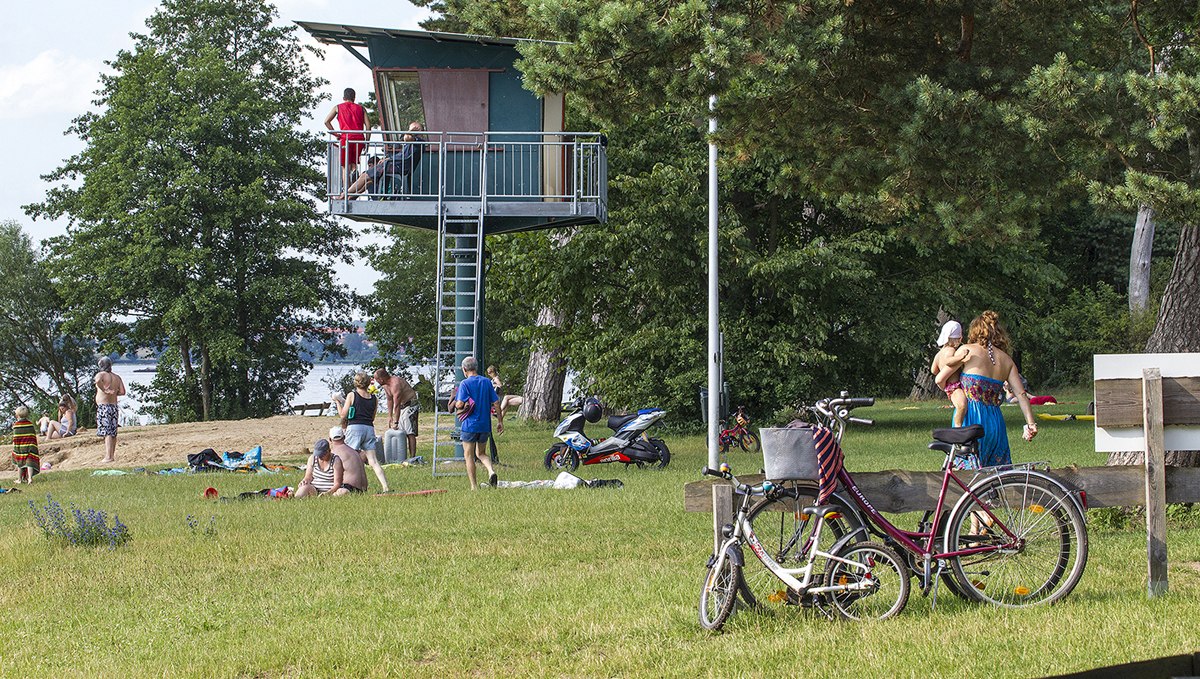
[{"x": 789, "y": 453}]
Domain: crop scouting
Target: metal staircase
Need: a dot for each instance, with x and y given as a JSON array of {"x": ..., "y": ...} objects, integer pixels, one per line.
[{"x": 459, "y": 307}]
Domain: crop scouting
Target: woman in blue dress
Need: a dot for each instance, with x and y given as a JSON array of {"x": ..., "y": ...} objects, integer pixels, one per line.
[{"x": 986, "y": 366}]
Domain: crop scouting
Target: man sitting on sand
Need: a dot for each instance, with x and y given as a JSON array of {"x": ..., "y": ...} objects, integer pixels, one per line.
[{"x": 354, "y": 472}]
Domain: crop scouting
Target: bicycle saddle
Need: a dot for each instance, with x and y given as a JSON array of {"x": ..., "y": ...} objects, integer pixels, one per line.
[
  {"x": 959, "y": 435},
  {"x": 820, "y": 510}
]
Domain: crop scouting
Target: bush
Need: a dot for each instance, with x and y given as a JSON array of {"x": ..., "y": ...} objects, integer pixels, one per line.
[
  {"x": 1091, "y": 321},
  {"x": 89, "y": 529}
]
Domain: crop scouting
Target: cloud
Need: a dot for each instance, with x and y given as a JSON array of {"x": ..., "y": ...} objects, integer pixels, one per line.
[{"x": 51, "y": 83}]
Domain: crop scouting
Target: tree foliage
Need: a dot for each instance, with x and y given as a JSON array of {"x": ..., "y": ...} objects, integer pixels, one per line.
[
  {"x": 192, "y": 222},
  {"x": 879, "y": 162},
  {"x": 38, "y": 362}
]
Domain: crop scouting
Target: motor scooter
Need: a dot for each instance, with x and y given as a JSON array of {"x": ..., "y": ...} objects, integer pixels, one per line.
[{"x": 628, "y": 444}]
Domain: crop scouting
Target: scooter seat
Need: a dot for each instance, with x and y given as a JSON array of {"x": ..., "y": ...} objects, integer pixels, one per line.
[{"x": 615, "y": 422}]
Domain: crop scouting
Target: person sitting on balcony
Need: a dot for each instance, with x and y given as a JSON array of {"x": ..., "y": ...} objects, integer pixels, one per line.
[
  {"x": 400, "y": 161},
  {"x": 350, "y": 116}
]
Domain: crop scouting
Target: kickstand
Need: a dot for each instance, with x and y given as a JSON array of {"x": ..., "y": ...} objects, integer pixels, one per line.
[{"x": 818, "y": 603}]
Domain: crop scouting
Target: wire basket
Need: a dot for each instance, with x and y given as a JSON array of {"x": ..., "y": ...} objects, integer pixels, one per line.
[{"x": 789, "y": 453}]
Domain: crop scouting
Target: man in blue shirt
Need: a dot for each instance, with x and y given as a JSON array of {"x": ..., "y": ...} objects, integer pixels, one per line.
[{"x": 474, "y": 405}]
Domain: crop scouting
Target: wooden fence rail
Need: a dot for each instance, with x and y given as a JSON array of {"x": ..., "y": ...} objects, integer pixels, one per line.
[{"x": 899, "y": 491}]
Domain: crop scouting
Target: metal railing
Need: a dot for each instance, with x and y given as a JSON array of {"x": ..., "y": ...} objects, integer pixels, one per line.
[{"x": 482, "y": 166}]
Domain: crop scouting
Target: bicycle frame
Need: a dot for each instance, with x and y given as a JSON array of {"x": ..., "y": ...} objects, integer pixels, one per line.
[
  {"x": 911, "y": 541},
  {"x": 744, "y": 532}
]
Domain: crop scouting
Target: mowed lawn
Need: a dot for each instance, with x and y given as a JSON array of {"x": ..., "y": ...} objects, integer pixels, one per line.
[{"x": 522, "y": 582}]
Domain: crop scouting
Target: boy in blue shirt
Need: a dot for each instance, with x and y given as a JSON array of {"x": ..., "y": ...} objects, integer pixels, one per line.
[{"x": 474, "y": 405}]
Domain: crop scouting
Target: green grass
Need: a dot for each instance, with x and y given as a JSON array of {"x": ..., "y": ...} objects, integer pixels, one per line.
[{"x": 521, "y": 582}]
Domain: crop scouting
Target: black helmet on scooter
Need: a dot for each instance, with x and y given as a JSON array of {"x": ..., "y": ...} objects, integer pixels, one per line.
[{"x": 591, "y": 410}]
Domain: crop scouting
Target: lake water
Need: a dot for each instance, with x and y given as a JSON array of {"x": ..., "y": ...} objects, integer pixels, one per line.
[{"x": 314, "y": 389}]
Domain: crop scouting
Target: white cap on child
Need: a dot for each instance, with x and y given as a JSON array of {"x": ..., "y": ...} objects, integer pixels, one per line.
[{"x": 951, "y": 330}]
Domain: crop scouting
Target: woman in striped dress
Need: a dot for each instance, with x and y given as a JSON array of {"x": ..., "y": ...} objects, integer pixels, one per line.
[
  {"x": 25, "y": 448},
  {"x": 324, "y": 473}
]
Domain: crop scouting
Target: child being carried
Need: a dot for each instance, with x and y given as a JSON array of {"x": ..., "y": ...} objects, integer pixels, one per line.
[{"x": 947, "y": 367}]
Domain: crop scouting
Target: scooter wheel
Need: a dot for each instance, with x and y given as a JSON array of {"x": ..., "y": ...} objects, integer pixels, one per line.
[
  {"x": 560, "y": 457},
  {"x": 664, "y": 456}
]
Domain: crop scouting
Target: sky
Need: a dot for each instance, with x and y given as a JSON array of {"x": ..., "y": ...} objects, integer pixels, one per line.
[{"x": 51, "y": 55}]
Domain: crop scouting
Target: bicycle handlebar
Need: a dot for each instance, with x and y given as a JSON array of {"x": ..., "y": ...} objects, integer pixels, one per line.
[
  {"x": 726, "y": 473},
  {"x": 861, "y": 420}
]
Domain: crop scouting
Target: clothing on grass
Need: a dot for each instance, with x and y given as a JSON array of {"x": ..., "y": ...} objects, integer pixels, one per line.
[
  {"x": 25, "y": 447},
  {"x": 484, "y": 394},
  {"x": 984, "y": 396}
]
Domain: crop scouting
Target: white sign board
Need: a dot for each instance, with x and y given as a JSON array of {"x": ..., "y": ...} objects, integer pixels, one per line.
[{"x": 1130, "y": 366}]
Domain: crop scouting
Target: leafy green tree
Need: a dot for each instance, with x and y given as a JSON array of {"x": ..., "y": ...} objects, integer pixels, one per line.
[
  {"x": 38, "y": 362},
  {"x": 401, "y": 310},
  {"x": 192, "y": 222},
  {"x": 880, "y": 161},
  {"x": 1131, "y": 129}
]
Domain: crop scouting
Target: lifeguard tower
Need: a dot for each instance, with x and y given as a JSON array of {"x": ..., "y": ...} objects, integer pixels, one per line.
[{"x": 494, "y": 158}]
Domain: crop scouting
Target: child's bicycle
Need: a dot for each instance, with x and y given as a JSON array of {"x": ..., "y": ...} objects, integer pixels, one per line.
[
  {"x": 739, "y": 434},
  {"x": 860, "y": 580}
]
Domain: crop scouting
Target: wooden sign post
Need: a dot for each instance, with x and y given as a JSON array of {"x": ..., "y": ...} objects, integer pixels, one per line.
[
  {"x": 1156, "y": 481},
  {"x": 1160, "y": 410}
]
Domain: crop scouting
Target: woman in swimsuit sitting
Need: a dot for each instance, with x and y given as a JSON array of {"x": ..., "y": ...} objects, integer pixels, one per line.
[
  {"x": 67, "y": 423},
  {"x": 986, "y": 366}
]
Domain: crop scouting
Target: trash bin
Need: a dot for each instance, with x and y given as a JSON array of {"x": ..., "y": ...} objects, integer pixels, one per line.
[{"x": 722, "y": 405}]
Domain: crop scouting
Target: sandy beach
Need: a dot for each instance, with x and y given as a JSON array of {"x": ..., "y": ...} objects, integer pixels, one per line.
[{"x": 170, "y": 444}]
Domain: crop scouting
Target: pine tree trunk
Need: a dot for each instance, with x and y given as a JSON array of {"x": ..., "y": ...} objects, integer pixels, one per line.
[
  {"x": 1139, "y": 261},
  {"x": 546, "y": 375},
  {"x": 1177, "y": 329}
]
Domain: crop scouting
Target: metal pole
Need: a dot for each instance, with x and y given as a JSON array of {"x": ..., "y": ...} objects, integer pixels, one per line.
[{"x": 714, "y": 339}]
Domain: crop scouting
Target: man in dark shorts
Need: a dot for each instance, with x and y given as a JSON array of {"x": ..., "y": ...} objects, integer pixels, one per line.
[
  {"x": 109, "y": 386},
  {"x": 403, "y": 406},
  {"x": 474, "y": 404},
  {"x": 401, "y": 159},
  {"x": 354, "y": 472}
]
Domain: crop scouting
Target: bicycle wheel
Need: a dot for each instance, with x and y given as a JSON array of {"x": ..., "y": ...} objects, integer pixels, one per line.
[
  {"x": 718, "y": 593},
  {"x": 561, "y": 457},
  {"x": 881, "y": 573},
  {"x": 1050, "y": 550},
  {"x": 783, "y": 533},
  {"x": 749, "y": 442}
]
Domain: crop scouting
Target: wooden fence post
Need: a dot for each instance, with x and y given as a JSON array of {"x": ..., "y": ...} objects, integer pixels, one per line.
[
  {"x": 722, "y": 497},
  {"x": 1156, "y": 485}
]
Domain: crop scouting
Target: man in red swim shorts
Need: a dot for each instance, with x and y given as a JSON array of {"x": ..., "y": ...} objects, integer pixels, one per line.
[{"x": 350, "y": 116}]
